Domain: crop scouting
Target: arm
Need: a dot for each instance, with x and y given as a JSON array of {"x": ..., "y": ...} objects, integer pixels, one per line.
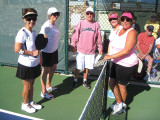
[
  {"x": 18, "y": 47},
  {"x": 138, "y": 48},
  {"x": 149, "y": 49},
  {"x": 158, "y": 46},
  {"x": 75, "y": 37},
  {"x": 108, "y": 52},
  {"x": 130, "y": 43}
]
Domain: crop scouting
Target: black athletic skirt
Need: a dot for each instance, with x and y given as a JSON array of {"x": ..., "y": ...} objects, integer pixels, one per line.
[
  {"x": 49, "y": 59},
  {"x": 25, "y": 73}
]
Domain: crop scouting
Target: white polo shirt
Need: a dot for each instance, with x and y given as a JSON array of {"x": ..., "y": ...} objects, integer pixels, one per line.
[
  {"x": 28, "y": 39},
  {"x": 52, "y": 32}
]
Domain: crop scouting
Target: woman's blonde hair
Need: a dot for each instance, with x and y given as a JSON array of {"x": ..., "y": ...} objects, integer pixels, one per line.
[{"x": 113, "y": 12}]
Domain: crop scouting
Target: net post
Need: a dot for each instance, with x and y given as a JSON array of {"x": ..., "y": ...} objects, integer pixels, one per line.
[{"x": 103, "y": 116}]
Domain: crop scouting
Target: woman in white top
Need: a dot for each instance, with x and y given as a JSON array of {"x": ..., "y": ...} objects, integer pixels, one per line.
[
  {"x": 50, "y": 52},
  {"x": 28, "y": 61},
  {"x": 114, "y": 20}
]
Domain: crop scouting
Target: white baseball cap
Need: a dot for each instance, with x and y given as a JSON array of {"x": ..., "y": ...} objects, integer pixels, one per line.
[
  {"x": 52, "y": 10},
  {"x": 90, "y": 9}
]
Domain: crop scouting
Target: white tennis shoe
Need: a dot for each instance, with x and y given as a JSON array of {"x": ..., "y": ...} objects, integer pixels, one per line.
[
  {"x": 118, "y": 108},
  {"x": 47, "y": 95},
  {"x": 35, "y": 105},
  {"x": 28, "y": 108},
  {"x": 50, "y": 89}
]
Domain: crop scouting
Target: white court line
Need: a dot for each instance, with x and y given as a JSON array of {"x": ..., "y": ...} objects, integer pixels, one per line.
[{"x": 20, "y": 115}]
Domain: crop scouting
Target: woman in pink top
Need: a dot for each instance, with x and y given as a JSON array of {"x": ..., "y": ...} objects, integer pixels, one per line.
[{"x": 124, "y": 61}]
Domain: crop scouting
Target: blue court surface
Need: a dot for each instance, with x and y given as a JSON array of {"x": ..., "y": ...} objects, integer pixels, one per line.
[{"x": 7, "y": 115}]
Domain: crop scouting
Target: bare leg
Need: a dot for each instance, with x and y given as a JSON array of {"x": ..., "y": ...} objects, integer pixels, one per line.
[
  {"x": 50, "y": 75},
  {"x": 45, "y": 71},
  {"x": 123, "y": 92},
  {"x": 85, "y": 74},
  {"x": 31, "y": 90},
  {"x": 115, "y": 89},
  {"x": 25, "y": 92},
  {"x": 76, "y": 73}
]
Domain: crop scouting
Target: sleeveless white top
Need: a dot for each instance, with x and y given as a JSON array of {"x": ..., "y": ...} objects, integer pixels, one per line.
[{"x": 117, "y": 45}]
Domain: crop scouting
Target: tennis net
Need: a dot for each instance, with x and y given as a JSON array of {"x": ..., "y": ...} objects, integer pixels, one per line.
[{"x": 96, "y": 105}]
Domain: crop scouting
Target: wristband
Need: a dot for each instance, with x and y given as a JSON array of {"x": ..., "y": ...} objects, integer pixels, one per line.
[
  {"x": 113, "y": 56},
  {"x": 21, "y": 52}
]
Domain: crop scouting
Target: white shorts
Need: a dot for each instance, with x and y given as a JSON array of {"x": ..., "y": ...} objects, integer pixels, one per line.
[{"x": 84, "y": 61}]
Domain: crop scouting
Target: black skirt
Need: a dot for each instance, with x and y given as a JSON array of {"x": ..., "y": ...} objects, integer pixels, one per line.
[
  {"x": 25, "y": 73},
  {"x": 49, "y": 59}
]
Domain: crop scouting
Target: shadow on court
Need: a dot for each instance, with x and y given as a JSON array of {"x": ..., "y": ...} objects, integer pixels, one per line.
[
  {"x": 64, "y": 88},
  {"x": 132, "y": 90}
]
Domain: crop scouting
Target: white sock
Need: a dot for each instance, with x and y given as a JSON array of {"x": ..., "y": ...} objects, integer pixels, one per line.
[
  {"x": 75, "y": 80},
  {"x": 120, "y": 103},
  {"x": 84, "y": 80},
  {"x": 25, "y": 104}
]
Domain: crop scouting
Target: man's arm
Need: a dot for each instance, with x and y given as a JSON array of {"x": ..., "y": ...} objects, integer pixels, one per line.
[
  {"x": 138, "y": 48},
  {"x": 138, "y": 43},
  {"x": 75, "y": 37},
  {"x": 149, "y": 49}
]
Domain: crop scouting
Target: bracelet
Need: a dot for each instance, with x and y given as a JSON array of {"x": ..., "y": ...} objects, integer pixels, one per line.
[{"x": 113, "y": 56}]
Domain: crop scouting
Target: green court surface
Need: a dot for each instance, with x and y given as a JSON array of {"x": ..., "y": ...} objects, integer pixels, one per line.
[
  {"x": 68, "y": 104},
  {"x": 143, "y": 104}
]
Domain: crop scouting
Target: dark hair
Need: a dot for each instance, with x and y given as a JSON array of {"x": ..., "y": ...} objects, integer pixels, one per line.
[
  {"x": 26, "y": 10},
  {"x": 129, "y": 11}
]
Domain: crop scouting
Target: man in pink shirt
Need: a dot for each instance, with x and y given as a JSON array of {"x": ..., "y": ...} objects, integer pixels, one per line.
[{"x": 85, "y": 38}]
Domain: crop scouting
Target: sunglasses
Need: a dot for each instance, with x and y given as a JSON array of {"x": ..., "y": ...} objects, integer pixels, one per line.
[
  {"x": 31, "y": 18},
  {"x": 112, "y": 19},
  {"x": 127, "y": 19},
  {"x": 89, "y": 13},
  {"x": 56, "y": 14}
]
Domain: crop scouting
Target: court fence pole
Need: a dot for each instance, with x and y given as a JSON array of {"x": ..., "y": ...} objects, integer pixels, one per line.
[{"x": 66, "y": 36}]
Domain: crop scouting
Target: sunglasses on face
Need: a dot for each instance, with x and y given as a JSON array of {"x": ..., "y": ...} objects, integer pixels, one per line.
[
  {"x": 127, "y": 19},
  {"x": 56, "y": 14},
  {"x": 31, "y": 18},
  {"x": 89, "y": 13},
  {"x": 112, "y": 19}
]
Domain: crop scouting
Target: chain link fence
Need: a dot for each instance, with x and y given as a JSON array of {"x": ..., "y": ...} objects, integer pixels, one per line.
[
  {"x": 142, "y": 9},
  {"x": 72, "y": 11}
]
